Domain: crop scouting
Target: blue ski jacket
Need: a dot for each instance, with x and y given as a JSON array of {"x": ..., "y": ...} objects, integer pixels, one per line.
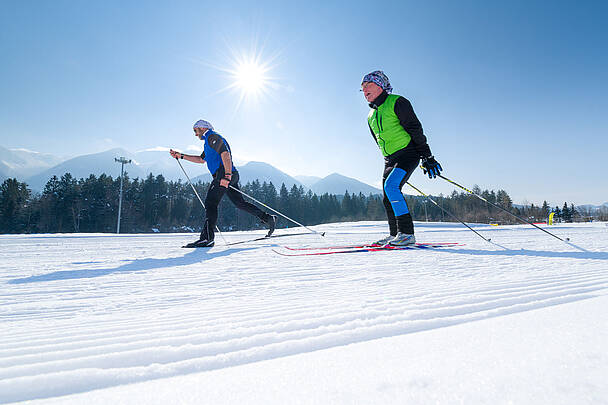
[{"x": 215, "y": 144}]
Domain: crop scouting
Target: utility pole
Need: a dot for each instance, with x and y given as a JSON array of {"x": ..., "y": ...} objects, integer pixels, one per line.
[{"x": 122, "y": 162}]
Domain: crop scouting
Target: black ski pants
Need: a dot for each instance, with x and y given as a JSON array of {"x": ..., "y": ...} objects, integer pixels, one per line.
[{"x": 214, "y": 196}]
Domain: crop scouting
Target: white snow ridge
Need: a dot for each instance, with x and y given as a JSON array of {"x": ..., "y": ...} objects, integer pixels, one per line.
[{"x": 100, "y": 319}]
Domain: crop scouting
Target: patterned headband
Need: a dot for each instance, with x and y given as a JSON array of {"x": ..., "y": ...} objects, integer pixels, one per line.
[{"x": 378, "y": 77}]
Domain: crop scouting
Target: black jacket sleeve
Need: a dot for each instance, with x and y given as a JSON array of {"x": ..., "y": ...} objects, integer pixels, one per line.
[{"x": 409, "y": 122}]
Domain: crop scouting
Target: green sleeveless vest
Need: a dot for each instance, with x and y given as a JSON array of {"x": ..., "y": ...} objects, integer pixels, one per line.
[{"x": 384, "y": 123}]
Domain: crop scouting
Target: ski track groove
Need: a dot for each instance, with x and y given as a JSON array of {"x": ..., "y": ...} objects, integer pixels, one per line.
[
  {"x": 445, "y": 310},
  {"x": 121, "y": 327},
  {"x": 43, "y": 345},
  {"x": 133, "y": 326},
  {"x": 209, "y": 336}
]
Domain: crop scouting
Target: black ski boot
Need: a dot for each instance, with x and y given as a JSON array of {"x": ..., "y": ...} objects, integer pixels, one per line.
[
  {"x": 271, "y": 221},
  {"x": 200, "y": 243},
  {"x": 206, "y": 238}
]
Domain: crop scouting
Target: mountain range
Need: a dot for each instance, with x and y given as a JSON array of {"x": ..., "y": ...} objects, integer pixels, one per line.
[
  {"x": 22, "y": 163},
  {"x": 36, "y": 169},
  {"x": 333, "y": 184}
]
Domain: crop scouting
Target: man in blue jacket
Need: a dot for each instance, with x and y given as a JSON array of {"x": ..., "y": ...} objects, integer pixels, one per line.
[{"x": 217, "y": 154}]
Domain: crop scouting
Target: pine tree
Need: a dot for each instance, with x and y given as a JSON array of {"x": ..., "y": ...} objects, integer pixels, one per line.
[
  {"x": 270, "y": 196},
  {"x": 504, "y": 200},
  {"x": 375, "y": 209},
  {"x": 49, "y": 201},
  {"x": 284, "y": 205},
  {"x": 566, "y": 214},
  {"x": 346, "y": 207},
  {"x": 573, "y": 212},
  {"x": 545, "y": 209},
  {"x": 68, "y": 204},
  {"x": 13, "y": 202}
]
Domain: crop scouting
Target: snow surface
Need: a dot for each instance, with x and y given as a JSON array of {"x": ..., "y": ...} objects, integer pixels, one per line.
[{"x": 98, "y": 319}]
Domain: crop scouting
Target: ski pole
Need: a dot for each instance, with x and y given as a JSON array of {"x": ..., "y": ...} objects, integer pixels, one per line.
[
  {"x": 199, "y": 197},
  {"x": 275, "y": 211},
  {"x": 449, "y": 213},
  {"x": 499, "y": 207}
]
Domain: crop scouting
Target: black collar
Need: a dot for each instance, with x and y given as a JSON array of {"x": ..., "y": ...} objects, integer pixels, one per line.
[{"x": 379, "y": 100}]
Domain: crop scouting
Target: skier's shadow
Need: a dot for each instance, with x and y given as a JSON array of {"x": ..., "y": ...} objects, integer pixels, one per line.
[
  {"x": 525, "y": 252},
  {"x": 192, "y": 257}
]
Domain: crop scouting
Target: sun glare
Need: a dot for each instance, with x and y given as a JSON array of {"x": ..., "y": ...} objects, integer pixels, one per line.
[{"x": 250, "y": 77}]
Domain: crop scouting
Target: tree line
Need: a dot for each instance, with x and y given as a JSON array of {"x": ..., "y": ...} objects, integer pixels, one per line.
[{"x": 154, "y": 204}]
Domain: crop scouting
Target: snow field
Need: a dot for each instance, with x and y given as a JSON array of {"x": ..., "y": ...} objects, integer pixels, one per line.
[{"x": 92, "y": 312}]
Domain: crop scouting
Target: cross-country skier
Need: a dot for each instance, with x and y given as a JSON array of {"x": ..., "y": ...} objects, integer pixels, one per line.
[
  {"x": 398, "y": 133},
  {"x": 217, "y": 154}
]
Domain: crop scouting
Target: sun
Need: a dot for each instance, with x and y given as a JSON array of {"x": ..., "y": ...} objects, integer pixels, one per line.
[{"x": 250, "y": 77}]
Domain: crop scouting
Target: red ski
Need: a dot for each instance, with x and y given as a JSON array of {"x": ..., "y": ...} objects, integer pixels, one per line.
[
  {"x": 359, "y": 249},
  {"x": 416, "y": 245}
]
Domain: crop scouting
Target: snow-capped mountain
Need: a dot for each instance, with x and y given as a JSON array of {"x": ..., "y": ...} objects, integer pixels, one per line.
[
  {"x": 308, "y": 181},
  {"x": 333, "y": 184},
  {"x": 157, "y": 161},
  {"x": 591, "y": 207},
  {"x": 23, "y": 163},
  {"x": 263, "y": 172},
  {"x": 83, "y": 166},
  {"x": 337, "y": 184}
]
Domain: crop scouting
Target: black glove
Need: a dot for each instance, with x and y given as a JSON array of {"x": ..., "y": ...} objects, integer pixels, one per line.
[{"x": 431, "y": 167}]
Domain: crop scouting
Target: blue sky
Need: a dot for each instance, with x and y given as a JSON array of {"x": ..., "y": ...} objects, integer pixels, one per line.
[{"x": 511, "y": 95}]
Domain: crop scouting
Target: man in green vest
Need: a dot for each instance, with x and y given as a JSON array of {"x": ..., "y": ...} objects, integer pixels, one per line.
[{"x": 398, "y": 133}]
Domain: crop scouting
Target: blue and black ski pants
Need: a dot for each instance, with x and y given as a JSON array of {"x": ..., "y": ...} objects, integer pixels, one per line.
[{"x": 396, "y": 172}]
